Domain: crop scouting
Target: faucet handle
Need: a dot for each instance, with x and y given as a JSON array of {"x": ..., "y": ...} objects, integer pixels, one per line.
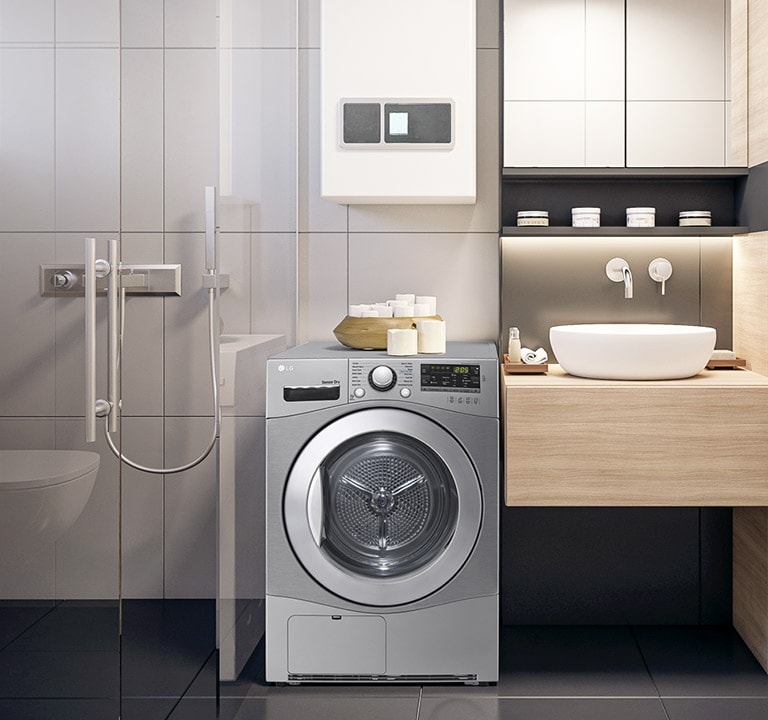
[{"x": 660, "y": 270}]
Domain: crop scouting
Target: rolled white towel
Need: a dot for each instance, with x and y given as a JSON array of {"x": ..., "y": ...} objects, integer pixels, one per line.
[{"x": 533, "y": 357}]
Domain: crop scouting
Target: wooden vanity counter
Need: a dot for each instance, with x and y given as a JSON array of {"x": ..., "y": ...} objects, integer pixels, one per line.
[{"x": 573, "y": 441}]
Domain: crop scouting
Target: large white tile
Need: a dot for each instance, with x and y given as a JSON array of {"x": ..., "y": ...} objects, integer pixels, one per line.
[
  {"x": 483, "y": 215},
  {"x": 27, "y": 326},
  {"x": 87, "y": 139},
  {"x": 191, "y": 136},
  {"x": 461, "y": 270},
  {"x": 87, "y": 554},
  {"x": 142, "y": 509},
  {"x": 273, "y": 284},
  {"x": 141, "y": 110},
  {"x": 258, "y": 23},
  {"x": 323, "y": 298},
  {"x": 143, "y": 350},
  {"x": 235, "y": 301},
  {"x": 141, "y": 23},
  {"x": 31, "y": 21},
  {"x": 27, "y": 433},
  {"x": 544, "y": 134},
  {"x": 88, "y": 21},
  {"x": 187, "y": 358},
  {"x": 190, "y": 23},
  {"x": 70, "y": 332},
  {"x": 543, "y": 50},
  {"x": 676, "y": 50},
  {"x": 190, "y": 512},
  {"x": 27, "y": 122},
  {"x": 259, "y": 145},
  {"x": 315, "y": 214},
  {"x": 676, "y": 134}
]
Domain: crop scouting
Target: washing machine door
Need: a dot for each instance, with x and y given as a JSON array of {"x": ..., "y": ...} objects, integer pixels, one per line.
[{"x": 383, "y": 507}]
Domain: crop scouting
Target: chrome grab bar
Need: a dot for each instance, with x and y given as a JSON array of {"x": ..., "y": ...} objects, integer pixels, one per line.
[{"x": 93, "y": 269}]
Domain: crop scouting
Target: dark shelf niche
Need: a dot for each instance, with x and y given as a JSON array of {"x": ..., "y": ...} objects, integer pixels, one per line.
[
  {"x": 616, "y": 231},
  {"x": 669, "y": 190}
]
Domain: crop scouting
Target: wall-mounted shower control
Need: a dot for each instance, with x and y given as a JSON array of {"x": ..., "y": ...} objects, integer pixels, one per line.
[{"x": 67, "y": 281}]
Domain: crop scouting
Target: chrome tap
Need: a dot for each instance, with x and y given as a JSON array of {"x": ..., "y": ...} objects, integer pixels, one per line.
[{"x": 618, "y": 270}]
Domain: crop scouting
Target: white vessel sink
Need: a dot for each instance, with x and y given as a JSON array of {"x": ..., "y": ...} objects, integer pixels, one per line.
[{"x": 628, "y": 351}]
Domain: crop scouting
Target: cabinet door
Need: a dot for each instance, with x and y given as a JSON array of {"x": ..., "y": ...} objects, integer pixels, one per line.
[{"x": 676, "y": 50}]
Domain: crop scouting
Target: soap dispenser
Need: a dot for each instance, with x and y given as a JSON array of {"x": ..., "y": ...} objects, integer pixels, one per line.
[{"x": 513, "y": 347}]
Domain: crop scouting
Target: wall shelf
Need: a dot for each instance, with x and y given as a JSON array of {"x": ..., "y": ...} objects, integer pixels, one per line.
[
  {"x": 622, "y": 231},
  {"x": 592, "y": 173}
]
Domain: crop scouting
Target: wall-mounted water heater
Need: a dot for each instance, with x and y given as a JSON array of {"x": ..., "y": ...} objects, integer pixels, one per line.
[{"x": 398, "y": 101}]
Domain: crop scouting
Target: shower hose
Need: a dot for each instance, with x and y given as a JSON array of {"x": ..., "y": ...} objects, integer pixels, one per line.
[{"x": 214, "y": 386}]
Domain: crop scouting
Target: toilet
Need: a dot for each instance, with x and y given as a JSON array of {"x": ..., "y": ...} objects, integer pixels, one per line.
[{"x": 42, "y": 493}]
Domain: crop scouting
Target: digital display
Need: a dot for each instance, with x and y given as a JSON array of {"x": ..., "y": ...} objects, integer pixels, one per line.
[{"x": 462, "y": 378}]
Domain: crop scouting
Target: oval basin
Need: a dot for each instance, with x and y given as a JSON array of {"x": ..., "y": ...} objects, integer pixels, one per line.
[{"x": 632, "y": 351}]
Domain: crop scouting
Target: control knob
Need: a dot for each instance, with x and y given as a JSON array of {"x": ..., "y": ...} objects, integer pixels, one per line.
[{"x": 382, "y": 378}]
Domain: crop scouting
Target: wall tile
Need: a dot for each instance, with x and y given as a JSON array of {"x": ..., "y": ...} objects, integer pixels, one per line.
[
  {"x": 309, "y": 24},
  {"x": 483, "y": 216},
  {"x": 262, "y": 140},
  {"x": 88, "y": 21},
  {"x": 142, "y": 360},
  {"x": 273, "y": 284},
  {"x": 27, "y": 433},
  {"x": 87, "y": 140},
  {"x": 190, "y": 512},
  {"x": 141, "y": 136},
  {"x": 187, "y": 363},
  {"x": 259, "y": 23},
  {"x": 190, "y": 23},
  {"x": 31, "y": 21},
  {"x": 27, "y": 120},
  {"x": 324, "y": 272},
  {"x": 27, "y": 323},
  {"x": 235, "y": 301},
  {"x": 489, "y": 20},
  {"x": 141, "y": 23},
  {"x": 191, "y": 136},
  {"x": 465, "y": 280},
  {"x": 315, "y": 214},
  {"x": 544, "y": 134}
]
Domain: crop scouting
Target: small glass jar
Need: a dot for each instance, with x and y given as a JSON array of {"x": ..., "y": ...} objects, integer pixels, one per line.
[
  {"x": 585, "y": 217},
  {"x": 641, "y": 217},
  {"x": 532, "y": 218},
  {"x": 695, "y": 218}
]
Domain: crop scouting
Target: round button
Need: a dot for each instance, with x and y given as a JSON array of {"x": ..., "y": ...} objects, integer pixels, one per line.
[
  {"x": 405, "y": 393},
  {"x": 382, "y": 378},
  {"x": 359, "y": 392}
]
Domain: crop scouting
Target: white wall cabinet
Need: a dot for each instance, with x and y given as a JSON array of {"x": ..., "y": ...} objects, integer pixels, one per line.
[
  {"x": 564, "y": 83},
  {"x": 586, "y": 85}
]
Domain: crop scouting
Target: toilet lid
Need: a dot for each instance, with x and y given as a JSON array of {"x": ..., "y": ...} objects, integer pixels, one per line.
[{"x": 24, "y": 469}]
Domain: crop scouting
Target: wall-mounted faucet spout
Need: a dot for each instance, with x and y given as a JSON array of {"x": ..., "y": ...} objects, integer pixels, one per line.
[{"x": 618, "y": 270}]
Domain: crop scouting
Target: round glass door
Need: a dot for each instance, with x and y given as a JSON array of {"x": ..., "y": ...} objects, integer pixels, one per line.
[{"x": 382, "y": 507}]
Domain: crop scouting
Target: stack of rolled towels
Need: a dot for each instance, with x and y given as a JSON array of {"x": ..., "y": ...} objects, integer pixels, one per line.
[
  {"x": 404, "y": 305},
  {"x": 427, "y": 333}
]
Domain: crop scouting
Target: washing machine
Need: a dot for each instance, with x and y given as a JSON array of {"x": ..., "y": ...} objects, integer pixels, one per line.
[{"x": 382, "y": 515}]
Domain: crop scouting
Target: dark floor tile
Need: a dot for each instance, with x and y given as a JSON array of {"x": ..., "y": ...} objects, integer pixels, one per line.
[
  {"x": 59, "y": 675},
  {"x": 164, "y": 671},
  {"x": 327, "y": 707},
  {"x": 60, "y": 709},
  {"x": 485, "y": 708},
  {"x": 701, "y": 661},
  {"x": 73, "y": 627},
  {"x": 565, "y": 661},
  {"x": 716, "y": 708},
  {"x": 18, "y": 616},
  {"x": 149, "y": 708},
  {"x": 186, "y": 624}
]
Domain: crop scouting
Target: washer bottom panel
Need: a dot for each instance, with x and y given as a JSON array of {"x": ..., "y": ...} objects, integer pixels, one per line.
[{"x": 310, "y": 642}]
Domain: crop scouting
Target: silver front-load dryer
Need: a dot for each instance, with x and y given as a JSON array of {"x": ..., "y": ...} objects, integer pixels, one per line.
[{"x": 382, "y": 515}]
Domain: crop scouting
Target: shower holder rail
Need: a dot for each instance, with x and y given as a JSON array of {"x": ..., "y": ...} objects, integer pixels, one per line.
[{"x": 69, "y": 280}]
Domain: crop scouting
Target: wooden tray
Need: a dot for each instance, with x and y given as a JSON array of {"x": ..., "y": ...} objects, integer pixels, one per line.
[
  {"x": 371, "y": 333},
  {"x": 524, "y": 368},
  {"x": 736, "y": 363}
]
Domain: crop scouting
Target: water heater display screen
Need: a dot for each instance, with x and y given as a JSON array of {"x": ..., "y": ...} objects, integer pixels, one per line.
[{"x": 462, "y": 378}]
